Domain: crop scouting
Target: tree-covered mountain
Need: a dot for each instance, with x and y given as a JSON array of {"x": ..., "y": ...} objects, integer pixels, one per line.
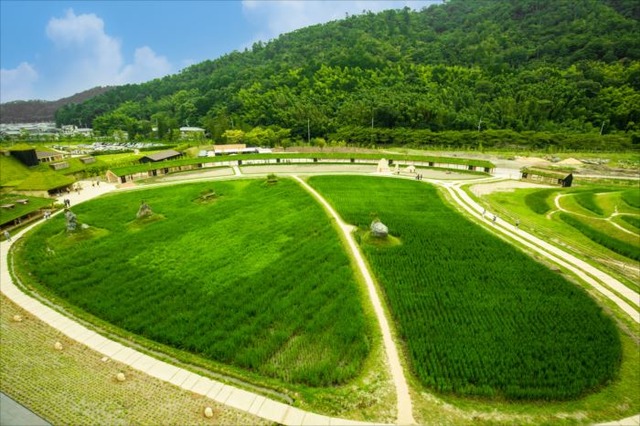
[
  {"x": 42, "y": 111},
  {"x": 560, "y": 66}
]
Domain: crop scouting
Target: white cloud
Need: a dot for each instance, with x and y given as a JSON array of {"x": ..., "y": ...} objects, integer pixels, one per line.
[
  {"x": 146, "y": 66},
  {"x": 87, "y": 56},
  {"x": 17, "y": 83},
  {"x": 282, "y": 16}
]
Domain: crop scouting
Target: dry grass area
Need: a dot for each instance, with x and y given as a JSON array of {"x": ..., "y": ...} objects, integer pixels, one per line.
[
  {"x": 75, "y": 387},
  {"x": 504, "y": 186}
]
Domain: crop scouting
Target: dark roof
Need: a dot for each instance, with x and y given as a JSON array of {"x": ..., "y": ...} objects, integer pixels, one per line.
[{"x": 163, "y": 155}]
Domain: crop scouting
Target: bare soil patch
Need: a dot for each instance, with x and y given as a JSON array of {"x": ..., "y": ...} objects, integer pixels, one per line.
[{"x": 503, "y": 186}]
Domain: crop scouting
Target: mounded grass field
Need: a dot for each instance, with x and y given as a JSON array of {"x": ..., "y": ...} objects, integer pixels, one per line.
[
  {"x": 241, "y": 272},
  {"x": 478, "y": 317},
  {"x": 597, "y": 222}
]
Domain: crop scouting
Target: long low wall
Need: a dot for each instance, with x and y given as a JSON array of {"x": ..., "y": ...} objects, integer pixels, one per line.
[{"x": 160, "y": 170}]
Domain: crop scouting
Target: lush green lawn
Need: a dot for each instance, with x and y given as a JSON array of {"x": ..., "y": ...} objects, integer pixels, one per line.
[
  {"x": 12, "y": 171},
  {"x": 255, "y": 277},
  {"x": 538, "y": 213},
  {"x": 477, "y": 316}
]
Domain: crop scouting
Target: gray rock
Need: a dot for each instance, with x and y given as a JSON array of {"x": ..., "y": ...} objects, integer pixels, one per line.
[{"x": 379, "y": 229}]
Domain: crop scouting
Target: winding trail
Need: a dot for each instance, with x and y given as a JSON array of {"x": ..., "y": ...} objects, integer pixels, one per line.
[
  {"x": 405, "y": 410},
  {"x": 559, "y": 208}
]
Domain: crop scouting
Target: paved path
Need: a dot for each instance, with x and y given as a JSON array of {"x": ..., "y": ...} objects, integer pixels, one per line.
[
  {"x": 599, "y": 280},
  {"x": 405, "y": 410},
  {"x": 15, "y": 414}
]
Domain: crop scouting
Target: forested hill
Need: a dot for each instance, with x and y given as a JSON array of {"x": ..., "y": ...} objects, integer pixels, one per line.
[
  {"x": 527, "y": 65},
  {"x": 41, "y": 111}
]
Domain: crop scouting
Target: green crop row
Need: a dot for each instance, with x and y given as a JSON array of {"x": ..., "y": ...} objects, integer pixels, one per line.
[
  {"x": 632, "y": 197},
  {"x": 588, "y": 199},
  {"x": 255, "y": 277},
  {"x": 477, "y": 316},
  {"x": 538, "y": 201},
  {"x": 602, "y": 238},
  {"x": 632, "y": 220}
]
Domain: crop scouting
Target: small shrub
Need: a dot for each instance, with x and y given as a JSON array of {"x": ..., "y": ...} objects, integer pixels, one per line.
[{"x": 272, "y": 178}]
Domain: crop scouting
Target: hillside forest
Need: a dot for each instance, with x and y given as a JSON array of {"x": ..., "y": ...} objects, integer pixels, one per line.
[{"x": 563, "y": 74}]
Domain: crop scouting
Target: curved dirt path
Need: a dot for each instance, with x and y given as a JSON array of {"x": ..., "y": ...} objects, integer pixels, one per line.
[
  {"x": 405, "y": 410},
  {"x": 559, "y": 208}
]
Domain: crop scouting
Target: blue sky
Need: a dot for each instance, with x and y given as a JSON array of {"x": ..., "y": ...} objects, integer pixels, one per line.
[{"x": 53, "y": 49}]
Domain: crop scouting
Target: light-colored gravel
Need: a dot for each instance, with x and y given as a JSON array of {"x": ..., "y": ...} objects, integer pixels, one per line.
[
  {"x": 503, "y": 186},
  {"x": 75, "y": 387}
]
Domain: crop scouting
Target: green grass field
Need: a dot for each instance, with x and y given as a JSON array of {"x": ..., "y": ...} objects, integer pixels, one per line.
[
  {"x": 478, "y": 317},
  {"x": 605, "y": 208},
  {"x": 13, "y": 171},
  {"x": 255, "y": 277}
]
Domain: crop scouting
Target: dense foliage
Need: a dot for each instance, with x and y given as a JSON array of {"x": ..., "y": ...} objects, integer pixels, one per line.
[
  {"x": 632, "y": 220},
  {"x": 468, "y": 65},
  {"x": 239, "y": 276},
  {"x": 604, "y": 239},
  {"x": 477, "y": 316},
  {"x": 632, "y": 197}
]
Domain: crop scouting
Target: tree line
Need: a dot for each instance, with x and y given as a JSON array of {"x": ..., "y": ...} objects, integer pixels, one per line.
[{"x": 527, "y": 67}]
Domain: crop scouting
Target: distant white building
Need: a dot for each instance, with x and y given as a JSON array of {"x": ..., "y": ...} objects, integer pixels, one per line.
[
  {"x": 192, "y": 133},
  {"x": 71, "y": 130}
]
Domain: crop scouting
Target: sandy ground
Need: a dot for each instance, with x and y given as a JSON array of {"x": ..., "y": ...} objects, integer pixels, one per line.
[
  {"x": 503, "y": 186},
  {"x": 201, "y": 174},
  {"x": 352, "y": 169}
]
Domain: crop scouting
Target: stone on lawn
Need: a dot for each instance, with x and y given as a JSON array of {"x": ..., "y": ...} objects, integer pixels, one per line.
[
  {"x": 379, "y": 229},
  {"x": 58, "y": 346},
  {"x": 120, "y": 377},
  {"x": 208, "y": 412}
]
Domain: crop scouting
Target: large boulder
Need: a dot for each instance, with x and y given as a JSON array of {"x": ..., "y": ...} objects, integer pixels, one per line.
[{"x": 379, "y": 229}]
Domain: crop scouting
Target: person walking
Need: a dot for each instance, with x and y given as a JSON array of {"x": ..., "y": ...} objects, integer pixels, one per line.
[{"x": 7, "y": 236}]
